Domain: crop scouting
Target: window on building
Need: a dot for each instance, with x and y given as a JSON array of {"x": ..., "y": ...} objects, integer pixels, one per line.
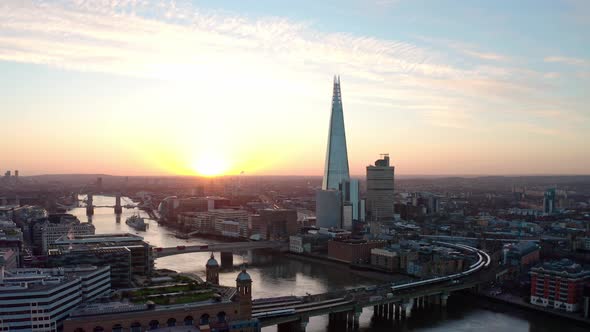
[
  {"x": 135, "y": 327},
  {"x": 221, "y": 317},
  {"x": 154, "y": 324},
  {"x": 171, "y": 322}
]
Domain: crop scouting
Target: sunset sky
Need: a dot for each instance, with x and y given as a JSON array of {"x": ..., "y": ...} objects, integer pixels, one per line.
[{"x": 141, "y": 87}]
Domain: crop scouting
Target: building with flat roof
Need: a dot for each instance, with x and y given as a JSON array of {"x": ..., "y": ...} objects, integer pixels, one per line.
[
  {"x": 205, "y": 222},
  {"x": 356, "y": 251},
  {"x": 140, "y": 252},
  {"x": 274, "y": 224},
  {"x": 40, "y": 299},
  {"x": 223, "y": 309},
  {"x": 559, "y": 285},
  {"x": 520, "y": 256},
  {"x": 56, "y": 226},
  {"x": 380, "y": 193},
  {"x": 119, "y": 259}
]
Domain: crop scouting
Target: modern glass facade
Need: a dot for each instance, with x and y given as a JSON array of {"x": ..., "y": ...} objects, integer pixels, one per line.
[
  {"x": 336, "y": 170},
  {"x": 329, "y": 208}
]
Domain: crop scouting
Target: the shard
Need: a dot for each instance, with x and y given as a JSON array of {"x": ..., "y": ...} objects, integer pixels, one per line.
[{"x": 336, "y": 171}]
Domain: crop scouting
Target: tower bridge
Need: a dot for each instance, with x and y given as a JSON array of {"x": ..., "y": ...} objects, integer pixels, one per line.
[{"x": 117, "y": 207}]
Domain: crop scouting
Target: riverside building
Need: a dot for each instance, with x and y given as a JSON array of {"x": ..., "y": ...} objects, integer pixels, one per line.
[{"x": 559, "y": 285}]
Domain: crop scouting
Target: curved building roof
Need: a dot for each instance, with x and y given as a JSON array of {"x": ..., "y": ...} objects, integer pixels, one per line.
[
  {"x": 212, "y": 262},
  {"x": 243, "y": 276}
]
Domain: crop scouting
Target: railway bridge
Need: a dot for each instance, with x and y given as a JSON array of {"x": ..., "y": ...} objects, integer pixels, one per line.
[{"x": 390, "y": 301}]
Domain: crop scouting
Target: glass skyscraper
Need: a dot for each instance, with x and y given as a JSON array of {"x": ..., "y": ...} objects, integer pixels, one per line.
[
  {"x": 336, "y": 170},
  {"x": 337, "y": 204}
]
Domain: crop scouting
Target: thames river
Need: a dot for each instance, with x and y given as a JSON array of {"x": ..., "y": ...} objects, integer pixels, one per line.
[{"x": 276, "y": 275}]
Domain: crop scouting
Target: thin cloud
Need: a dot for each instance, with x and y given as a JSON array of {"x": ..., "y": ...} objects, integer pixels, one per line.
[
  {"x": 182, "y": 43},
  {"x": 486, "y": 55},
  {"x": 568, "y": 60}
]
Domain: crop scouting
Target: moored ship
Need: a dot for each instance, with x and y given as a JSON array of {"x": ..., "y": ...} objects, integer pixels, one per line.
[{"x": 136, "y": 222}]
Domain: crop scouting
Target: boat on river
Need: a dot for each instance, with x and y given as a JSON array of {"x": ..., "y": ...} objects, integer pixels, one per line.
[{"x": 136, "y": 222}]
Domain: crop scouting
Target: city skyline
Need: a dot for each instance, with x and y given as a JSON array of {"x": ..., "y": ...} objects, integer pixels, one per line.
[{"x": 207, "y": 88}]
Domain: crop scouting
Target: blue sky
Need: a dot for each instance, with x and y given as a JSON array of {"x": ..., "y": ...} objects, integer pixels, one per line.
[{"x": 165, "y": 87}]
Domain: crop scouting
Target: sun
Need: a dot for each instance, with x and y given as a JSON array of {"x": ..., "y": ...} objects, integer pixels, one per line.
[{"x": 210, "y": 164}]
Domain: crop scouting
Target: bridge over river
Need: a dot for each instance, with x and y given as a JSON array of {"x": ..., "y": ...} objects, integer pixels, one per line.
[
  {"x": 389, "y": 301},
  {"x": 226, "y": 249}
]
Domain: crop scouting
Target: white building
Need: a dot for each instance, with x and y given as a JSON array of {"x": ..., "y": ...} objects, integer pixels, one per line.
[
  {"x": 296, "y": 244},
  {"x": 40, "y": 299},
  {"x": 51, "y": 232}
]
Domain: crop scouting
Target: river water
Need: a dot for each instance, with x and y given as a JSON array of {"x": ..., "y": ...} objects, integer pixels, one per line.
[{"x": 277, "y": 275}]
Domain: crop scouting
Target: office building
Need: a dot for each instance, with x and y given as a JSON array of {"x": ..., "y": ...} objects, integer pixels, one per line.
[
  {"x": 117, "y": 258},
  {"x": 380, "y": 194},
  {"x": 329, "y": 208},
  {"x": 275, "y": 224},
  {"x": 309, "y": 243},
  {"x": 40, "y": 299},
  {"x": 549, "y": 200},
  {"x": 331, "y": 201},
  {"x": 227, "y": 228},
  {"x": 336, "y": 169},
  {"x": 142, "y": 260},
  {"x": 558, "y": 285},
  {"x": 50, "y": 232},
  {"x": 352, "y": 208},
  {"x": 207, "y": 222},
  {"x": 355, "y": 251}
]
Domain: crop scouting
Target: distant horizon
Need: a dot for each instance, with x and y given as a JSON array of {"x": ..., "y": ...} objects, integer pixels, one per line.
[{"x": 294, "y": 175}]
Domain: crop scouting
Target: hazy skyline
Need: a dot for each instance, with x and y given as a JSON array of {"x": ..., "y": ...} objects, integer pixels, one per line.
[{"x": 175, "y": 87}]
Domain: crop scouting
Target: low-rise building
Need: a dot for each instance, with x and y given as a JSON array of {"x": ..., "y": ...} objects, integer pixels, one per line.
[
  {"x": 309, "y": 243},
  {"x": 385, "y": 259},
  {"x": 559, "y": 285},
  {"x": 420, "y": 259},
  {"x": 356, "y": 251}
]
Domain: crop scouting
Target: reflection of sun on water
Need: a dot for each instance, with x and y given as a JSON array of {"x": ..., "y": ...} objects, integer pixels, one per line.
[{"x": 210, "y": 164}]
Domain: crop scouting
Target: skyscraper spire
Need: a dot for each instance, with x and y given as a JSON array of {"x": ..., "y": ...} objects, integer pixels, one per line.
[{"x": 336, "y": 169}]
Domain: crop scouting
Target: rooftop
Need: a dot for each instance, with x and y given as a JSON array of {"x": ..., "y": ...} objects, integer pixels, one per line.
[
  {"x": 564, "y": 266},
  {"x": 99, "y": 238}
]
